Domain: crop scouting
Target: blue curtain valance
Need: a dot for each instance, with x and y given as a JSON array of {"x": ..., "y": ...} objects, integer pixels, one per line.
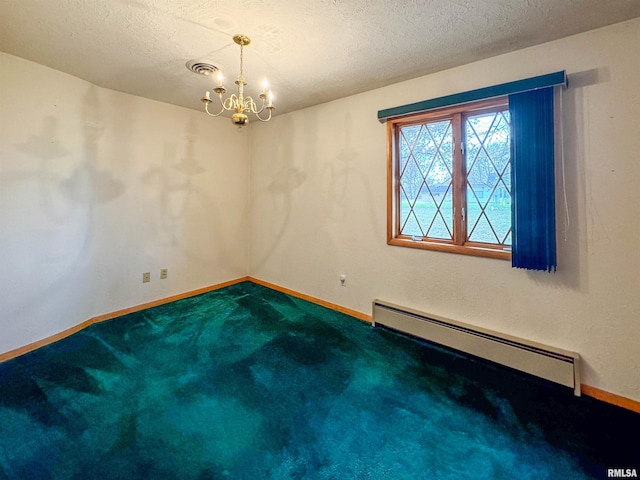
[{"x": 527, "y": 84}]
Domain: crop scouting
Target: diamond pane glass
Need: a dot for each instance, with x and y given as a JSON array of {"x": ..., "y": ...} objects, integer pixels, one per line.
[
  {"x": 411, "y": 227},
  {"x": 407, "y": 219},
  {"x": 506, "y": 177},
  {"x": 438, "y": 229},
  {"x": 423, "y": 150},
  {"x": 412, "y": 181},
  {"x": 482, "y": 231},
  {"x": 426, "y": 180},
  {"x": 408, "y": 138},
  {"x": 488, "y": 178}
]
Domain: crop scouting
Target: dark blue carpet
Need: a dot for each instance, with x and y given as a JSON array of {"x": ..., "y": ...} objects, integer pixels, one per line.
[{"x": 249, "y": 383}]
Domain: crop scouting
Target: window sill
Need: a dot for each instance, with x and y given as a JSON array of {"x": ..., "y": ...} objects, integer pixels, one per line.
[{"x": 475, "y": 250}]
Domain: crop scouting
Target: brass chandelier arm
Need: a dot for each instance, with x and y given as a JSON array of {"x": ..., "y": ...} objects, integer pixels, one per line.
[
  {"x": 206, "y": 109},
  {"x": 250, "y": 105},
  {"x": 264, "y": 119},
  {"x": 206, "y": 100},
  {"x": 230, "y": 103}
]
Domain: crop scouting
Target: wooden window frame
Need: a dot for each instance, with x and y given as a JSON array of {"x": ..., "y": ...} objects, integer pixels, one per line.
[{"x": 458, "y": 245}]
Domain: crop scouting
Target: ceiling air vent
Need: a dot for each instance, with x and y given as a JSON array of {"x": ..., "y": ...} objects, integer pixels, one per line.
[{"x": 201, "y": 68}]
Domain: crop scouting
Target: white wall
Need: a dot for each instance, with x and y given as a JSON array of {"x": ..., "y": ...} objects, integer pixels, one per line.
[
  {"x": 97, "y": 187},
  {"x": 318, "y": 209}
]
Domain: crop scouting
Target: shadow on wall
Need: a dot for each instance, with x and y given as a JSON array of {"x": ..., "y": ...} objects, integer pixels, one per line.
[
  {"x": 276, "y": 197},
  {"x": 88, "y": 184},
  {"x": 311, "y": 203},
  {"x": 190, "y": 211},
  {"x": 45, "y": 148},
  {"x": 339, "y": 179},
  {"x": 172, "y": 183},
  {"x": 572, "y": 207},
  {"x": 52, "y": 233}
]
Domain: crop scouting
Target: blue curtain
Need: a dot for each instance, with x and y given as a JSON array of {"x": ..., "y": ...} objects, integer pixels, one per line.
[{"x": 532, "y": 180}]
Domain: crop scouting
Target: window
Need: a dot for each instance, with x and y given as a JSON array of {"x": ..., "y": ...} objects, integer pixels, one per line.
[
  {"x": 448, "y": 172},
  {"x": 449, "y": 186}
]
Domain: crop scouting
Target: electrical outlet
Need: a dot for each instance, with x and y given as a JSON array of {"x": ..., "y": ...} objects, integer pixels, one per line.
[
  {"x": 163, "y": 274},
  {"x": 146, "y": 277}
]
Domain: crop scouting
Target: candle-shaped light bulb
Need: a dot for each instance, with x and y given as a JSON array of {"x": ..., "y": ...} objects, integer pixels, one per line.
[
  {"x": 219, "y": 78},
  {"x": 207, "y": 95},
  {"x": 270, "y": 99},
  {"x": 265, "y": 85}
]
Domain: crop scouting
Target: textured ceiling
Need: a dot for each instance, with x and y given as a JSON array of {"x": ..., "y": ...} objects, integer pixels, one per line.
[{"x": 312, "y": 51}]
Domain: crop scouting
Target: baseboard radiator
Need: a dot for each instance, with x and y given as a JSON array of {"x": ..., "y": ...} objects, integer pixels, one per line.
[{"x": 550, "y": 363}]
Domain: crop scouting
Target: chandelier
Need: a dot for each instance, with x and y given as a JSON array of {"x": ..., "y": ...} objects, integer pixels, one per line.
[{"x": 238, "y": 103}]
